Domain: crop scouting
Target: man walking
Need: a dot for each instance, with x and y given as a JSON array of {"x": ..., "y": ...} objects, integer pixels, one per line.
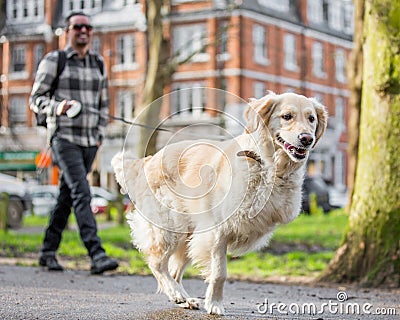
[{"x": 79, "y": 105}]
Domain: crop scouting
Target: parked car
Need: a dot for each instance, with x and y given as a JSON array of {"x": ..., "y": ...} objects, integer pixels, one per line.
[
  {"x": 315, "y": 185},
  {"x": 100, "y": 199},
  {"x": 19, "y": 199},
  {"x": 338, "y": 198},
  {"x": 44, "y": 198}
]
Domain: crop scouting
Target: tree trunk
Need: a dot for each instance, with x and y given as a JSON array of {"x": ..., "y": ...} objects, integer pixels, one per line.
[
  {"x": 370, "y": 254},
  {"x": 355, "y": 85},
  {"x": 158, "y": 51},
  {"x": 161, "y": 67}
]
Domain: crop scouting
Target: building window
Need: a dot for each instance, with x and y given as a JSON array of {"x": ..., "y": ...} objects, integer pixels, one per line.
[
  {"x": 183, "y": 1},
  {"x": 340, "y": 117},
  {"x": 340, "y": 66},
  {"x": 125, "y": 104},
  {"x": 188, "y": 100},
  {"x": 18, "y": 58},
  {"x": 290, "y": 62},
  {"x": 259, "y": 89},
  {"x": 88, "y": 6},
  {"x": 335, "y": 20},
  {"x": 25, "y": 10},
  {"x": 339, "y": 171},
  {"x": 127, "y": 3},
  {"x": 318, "y": 60},
  {"x": 223, "y": 38},
  {"x": 281, "y": 5},
  {"x": 320, "y": 98},
  {"x": 38, "y": 53},
  {"x": 260, "y": 44},
  {"x": 17, "y": 111},
  {"x": 96, "y": 45},
  {"x": 315, "y": 11},
  {"x": 190, "y": 40},
  {"x": 126, "y": 53},
  {"x": 348, "y": 18}
]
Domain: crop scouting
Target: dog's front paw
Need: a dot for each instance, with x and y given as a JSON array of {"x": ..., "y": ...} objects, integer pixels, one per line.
[
  {"x": 214, "y": 307},
  {"x": 190, "y": 303},
  {"x": 178, "y": 298}
]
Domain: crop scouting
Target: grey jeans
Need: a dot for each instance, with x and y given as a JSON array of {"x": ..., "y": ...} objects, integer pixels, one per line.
[{"x": 75, "y": 163}]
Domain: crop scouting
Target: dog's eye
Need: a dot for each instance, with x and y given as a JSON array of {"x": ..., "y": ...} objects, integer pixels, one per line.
[
  {"x": 311, "y": 118},
  {"x": 287, "y": 117}
]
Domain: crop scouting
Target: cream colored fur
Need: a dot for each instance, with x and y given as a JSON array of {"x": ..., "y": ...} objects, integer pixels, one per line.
[{"x": 197, "y": 200}]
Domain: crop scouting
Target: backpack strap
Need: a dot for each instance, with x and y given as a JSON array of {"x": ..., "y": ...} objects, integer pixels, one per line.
[
  {"x": 100, "y": 64},
  {"x": 62, "y": 58}
]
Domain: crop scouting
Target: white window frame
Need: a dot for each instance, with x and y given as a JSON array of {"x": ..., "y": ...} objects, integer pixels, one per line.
[
  {"x": 192, "y": 97},
  {"x": 127, "y": 3},
  {"x": 260, "y": 89},
  {"x": 38, "y": 53},
  {"x": 278, "y": 5},
  {"x": 17, "y": 108},
  {"x": 18, "y": 53},
  {"x": 348, "y": 18},
  {"x": 318, "y": 60},
  {"x": 320, "y": 98},
  {"x": 223, "y": 54},
  {"x": 182, "y": 1},
  {"x": 260, "y": 45},
  {"x": 315, "y": 11},
  {"x": 339, "y": 170},
  {"x": 96, "y": 45},
  {"x": 188, "y": 39},
  {"x": 125, "y": 104},
  {"x": 290, "y": 56},
  {"x": 19, "y": 6},
  {"x": 340, "y": 66},
  {"x": 335, "y": 20},
  {"x": 125, "y": 53},
  {"x": 340, "y": 116},
  {"x": 89, "y": 6}
]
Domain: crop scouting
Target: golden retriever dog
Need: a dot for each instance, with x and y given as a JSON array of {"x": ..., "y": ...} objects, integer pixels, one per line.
[{"x": 197, "y": 200}]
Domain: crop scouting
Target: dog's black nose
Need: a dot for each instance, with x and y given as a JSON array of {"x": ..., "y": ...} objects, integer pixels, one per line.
[{"x": 306, "y": 139}]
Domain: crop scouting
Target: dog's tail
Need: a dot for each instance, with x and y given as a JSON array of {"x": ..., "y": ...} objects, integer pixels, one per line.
[{"x": 127, "y": 168}]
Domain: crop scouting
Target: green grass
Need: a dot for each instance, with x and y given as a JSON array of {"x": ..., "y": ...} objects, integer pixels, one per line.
[
  {"x": 323, "y": 231},
  {"x": 296, "y": 263}
]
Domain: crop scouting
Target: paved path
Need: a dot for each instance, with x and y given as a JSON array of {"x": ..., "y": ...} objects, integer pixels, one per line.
[{"x": 31, "y": 293}]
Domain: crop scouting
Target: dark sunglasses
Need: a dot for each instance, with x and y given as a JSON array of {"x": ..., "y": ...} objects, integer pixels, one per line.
[{"x": 79, "y": 27}]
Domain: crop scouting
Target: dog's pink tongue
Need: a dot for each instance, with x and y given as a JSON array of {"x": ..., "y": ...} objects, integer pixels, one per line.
[{"x": 287, "y": 145}]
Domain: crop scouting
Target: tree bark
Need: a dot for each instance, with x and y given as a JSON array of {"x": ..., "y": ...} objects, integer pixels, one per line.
[
  {"x": 370, "y": 253},
  {"x": 355, "y": 86},
  {"x": 158, "y": 51},
  {"x": 161, "y": 67}
]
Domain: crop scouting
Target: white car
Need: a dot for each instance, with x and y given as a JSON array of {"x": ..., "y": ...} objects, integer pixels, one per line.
[
  {"x": 44, "y": 199},
  {"x": 100, "y": 199},
  {"x": 19, "y": 199}
]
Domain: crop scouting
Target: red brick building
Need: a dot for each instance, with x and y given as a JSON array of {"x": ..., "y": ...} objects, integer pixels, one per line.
[{"x": 254, "y": 46}]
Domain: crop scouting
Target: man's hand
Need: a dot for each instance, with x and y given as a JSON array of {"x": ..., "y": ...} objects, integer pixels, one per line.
[{"x": 64, "y": 106}]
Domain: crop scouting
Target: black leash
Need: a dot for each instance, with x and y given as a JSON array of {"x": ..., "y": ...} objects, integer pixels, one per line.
[
  {"x": 158, "y": 128},
  {"x": 46, "y": 154},
  {"x": 137, "y": 124}
]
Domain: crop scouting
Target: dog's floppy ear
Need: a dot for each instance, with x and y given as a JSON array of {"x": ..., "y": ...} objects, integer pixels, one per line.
[
  {"x": 322, "y": 116},
  {"x": 259, "y": 110}
]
